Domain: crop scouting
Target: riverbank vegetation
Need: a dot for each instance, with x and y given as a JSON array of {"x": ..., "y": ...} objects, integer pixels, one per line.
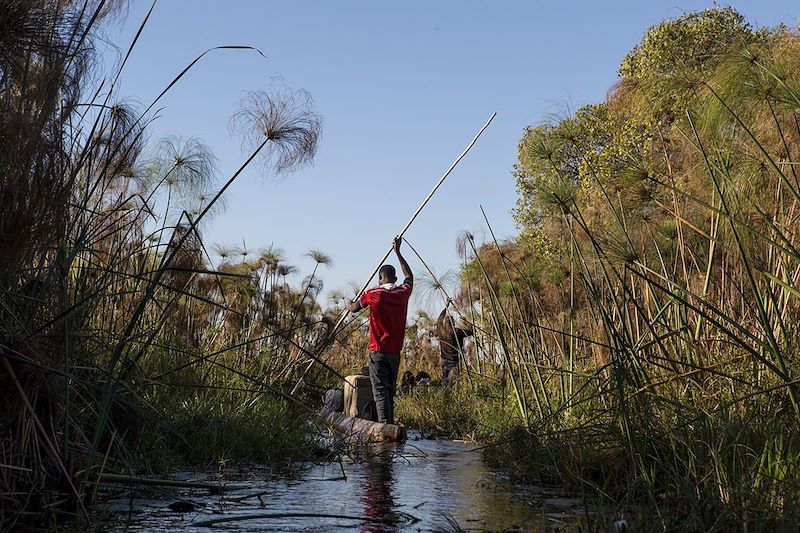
[
  {"x": 645, "y": 321},
  {"x": 128, "y": 346}
]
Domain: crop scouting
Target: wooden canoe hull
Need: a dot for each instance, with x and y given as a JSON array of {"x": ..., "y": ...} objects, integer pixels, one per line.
[{"x": 362, "y": 430}]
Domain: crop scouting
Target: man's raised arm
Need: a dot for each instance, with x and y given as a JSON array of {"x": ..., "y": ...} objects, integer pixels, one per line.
[{"x": 403, "y": 264}]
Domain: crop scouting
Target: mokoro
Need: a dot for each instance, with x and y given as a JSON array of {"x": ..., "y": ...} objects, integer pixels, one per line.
[{"x": 363, "y": 430}]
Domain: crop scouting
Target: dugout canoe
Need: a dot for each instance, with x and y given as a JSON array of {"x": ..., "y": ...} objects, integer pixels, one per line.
[{"x": 359, "y": 429}]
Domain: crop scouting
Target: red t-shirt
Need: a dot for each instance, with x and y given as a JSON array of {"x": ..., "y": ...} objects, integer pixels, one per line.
[{"x": 387, "y": 316}]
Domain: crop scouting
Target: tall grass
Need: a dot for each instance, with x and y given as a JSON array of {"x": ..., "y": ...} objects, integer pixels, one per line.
[
  {"x": 123, "y": 347},
  {"x": 647, "y": 318}
]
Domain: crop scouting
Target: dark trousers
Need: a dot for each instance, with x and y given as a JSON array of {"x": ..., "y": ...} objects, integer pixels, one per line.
[{"x": 383, "y": 367}]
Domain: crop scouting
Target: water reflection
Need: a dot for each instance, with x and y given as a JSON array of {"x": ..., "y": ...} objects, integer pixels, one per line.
[
  {"x": 377, "y": 490},
  {"x": 421, "y": 485}
]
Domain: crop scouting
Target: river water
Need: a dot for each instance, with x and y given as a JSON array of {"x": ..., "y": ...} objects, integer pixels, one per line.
[{"x": 420, "y": 485}]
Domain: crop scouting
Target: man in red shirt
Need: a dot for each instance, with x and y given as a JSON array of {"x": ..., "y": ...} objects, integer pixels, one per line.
[{"x": 387, "y": 304}]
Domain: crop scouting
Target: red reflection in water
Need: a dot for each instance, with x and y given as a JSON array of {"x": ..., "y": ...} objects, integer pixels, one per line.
[{"x": 378, "y": 496}]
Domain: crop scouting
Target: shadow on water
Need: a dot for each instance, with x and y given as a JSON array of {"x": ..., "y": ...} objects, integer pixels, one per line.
[{"x": 422, "y": 485}]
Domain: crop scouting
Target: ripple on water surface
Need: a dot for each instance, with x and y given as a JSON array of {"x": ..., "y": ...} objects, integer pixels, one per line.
[{"x": 422, "y": 485}]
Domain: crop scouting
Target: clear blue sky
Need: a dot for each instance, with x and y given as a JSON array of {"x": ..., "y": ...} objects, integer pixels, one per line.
[{"x": 403, "y": 87}]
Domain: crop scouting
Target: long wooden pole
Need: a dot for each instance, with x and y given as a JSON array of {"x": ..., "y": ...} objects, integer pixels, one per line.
[{"x": 389, "y": 251}]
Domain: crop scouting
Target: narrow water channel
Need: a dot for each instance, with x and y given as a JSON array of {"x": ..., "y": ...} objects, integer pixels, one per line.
[{"x": 421, "y": 485}]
